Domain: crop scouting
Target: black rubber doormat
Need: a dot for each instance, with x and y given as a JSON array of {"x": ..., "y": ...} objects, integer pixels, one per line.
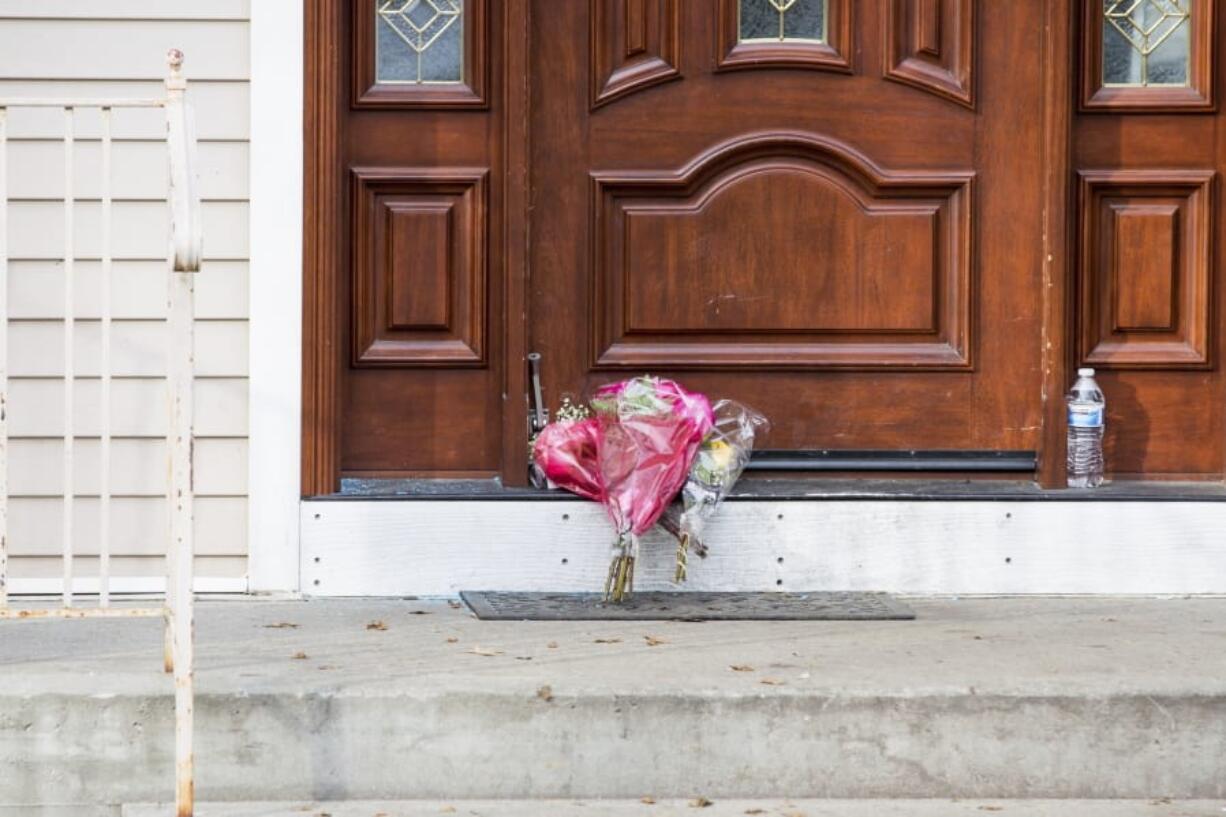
[{"x": 688, "y": 606}]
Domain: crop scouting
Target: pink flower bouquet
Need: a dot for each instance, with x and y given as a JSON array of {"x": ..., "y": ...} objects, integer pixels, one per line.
[{"x": 633, "y": 457}]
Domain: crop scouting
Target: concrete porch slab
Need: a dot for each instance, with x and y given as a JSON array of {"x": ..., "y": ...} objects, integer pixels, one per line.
[
  {"x": 725, "y": 808},
  {"x": 406, "y": 700}
]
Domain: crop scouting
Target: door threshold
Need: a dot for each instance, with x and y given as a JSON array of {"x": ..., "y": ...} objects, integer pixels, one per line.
[{"x": 806, "y": 489}]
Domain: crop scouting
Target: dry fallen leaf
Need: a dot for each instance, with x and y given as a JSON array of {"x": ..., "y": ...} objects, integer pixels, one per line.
[
  {"x": 376, "y": 625},
  {"x": 652, "y": 641},
  {"x": 281, "y": 625},
  {"x": 545, "y": 693},
  {"x": 647, "y": 801},
  {"x": 772, "y": 682},
  {"x": 755, "y": 811},
  {"x": 553, "y": 645},
  {"x": 608, "y": 641},
  {"x": 453, "y": 640},
  {"x": 486, "y": 653},
  {"x": 300, "y": 656},
  {"x": 701, "y": 802},
  {"x": 741, "y": 668}
]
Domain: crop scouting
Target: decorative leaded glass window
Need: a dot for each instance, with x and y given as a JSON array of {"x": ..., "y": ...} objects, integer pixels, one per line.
[
  {"x": 1148, "y": 55},
  {"x": 420, "y": 53},
  {"x": 1146, "y": 42},
  {"x": 782, "y": 20},
  {"x": 419, "y": 41},
  {"x": 758, "y": 34}
]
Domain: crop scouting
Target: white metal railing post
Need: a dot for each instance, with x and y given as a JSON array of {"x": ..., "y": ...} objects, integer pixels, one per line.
[
  {"x": 70, "y": 255},
  {"x": 184, "y": 262},
  {"x": 4, "y": 368},
  {"x": 104, "y": 413}
]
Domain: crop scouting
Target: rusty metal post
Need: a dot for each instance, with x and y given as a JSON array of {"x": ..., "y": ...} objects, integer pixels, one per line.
[{"x": 184, "y": 261}]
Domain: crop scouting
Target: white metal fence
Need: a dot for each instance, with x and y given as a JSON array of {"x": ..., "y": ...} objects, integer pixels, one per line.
[{"x": 183, "y": 260}]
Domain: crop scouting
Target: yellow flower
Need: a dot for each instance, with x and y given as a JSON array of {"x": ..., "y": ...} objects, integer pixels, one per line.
[{"x": 721, "y": 454}]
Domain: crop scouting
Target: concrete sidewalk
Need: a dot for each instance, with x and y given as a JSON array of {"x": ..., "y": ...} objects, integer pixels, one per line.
[
  {"x": 697, "y": 808},
  {"x": 401, "y": 700}
]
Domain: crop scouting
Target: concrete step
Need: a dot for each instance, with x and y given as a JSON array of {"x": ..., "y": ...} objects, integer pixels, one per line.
[
  {"x": 360, "y": 700},
  {"x": 693, "y": 808}
]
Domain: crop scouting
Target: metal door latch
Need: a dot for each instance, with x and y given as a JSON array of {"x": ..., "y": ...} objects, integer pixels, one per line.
[
  {"x": 538, "y": 414},
  {"x": 538, "y": 417}
]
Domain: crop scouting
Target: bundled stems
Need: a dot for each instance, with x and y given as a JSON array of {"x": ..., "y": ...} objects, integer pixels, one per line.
[
  {"x": 621, "y": 572},
  {"x": 683, "y": 557}
]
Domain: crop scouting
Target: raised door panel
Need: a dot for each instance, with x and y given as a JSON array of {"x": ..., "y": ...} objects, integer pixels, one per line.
[
  {"x": 782, "y": 251},
  {"x": 1146, "y": 269},
  {"x": 930, "y": 45},
  {"x": 419, "y": 268},
  {"x": 634, "y": 44}
]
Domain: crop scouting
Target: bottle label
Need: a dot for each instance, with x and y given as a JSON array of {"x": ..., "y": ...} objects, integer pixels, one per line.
[{"x": 1085, "y": 416}]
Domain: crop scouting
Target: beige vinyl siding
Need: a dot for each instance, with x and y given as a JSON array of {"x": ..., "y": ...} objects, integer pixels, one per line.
[{"x": 116, "y": 48}]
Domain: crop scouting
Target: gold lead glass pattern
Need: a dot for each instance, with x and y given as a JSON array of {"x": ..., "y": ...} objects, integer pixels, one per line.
[
  {"x": 1146, "y": 42},
  {"x": 782, "y": 21},
  {"x": 419, "y": 42}
]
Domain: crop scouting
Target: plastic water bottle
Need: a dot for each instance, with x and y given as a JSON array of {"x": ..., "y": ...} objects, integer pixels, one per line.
[{"x": 1087, "y": 415}]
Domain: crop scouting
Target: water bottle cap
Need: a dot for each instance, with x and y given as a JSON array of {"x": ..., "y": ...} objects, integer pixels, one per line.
[{"x": 1085, "y": 372}]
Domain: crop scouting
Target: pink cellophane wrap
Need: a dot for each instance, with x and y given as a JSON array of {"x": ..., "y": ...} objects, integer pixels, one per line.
[
  {"x": 634, "y": 455},
  {"x": 651, "y": 430},
  {"x": 568, "y": 454}
]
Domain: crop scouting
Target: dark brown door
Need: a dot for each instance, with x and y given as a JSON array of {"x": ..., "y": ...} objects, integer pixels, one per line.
[
  {"x": 410, "y": 240},
  {"x": 828, "y": 209},
  {"x": 888, "y": 224},
  {"x": 1148, "y": 142}
]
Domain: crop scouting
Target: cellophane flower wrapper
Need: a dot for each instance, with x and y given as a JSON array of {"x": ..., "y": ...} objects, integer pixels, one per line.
[
  {"x": 632, "y": 456},
  {"x": 651, "y": 431},
  {"x": 568, "y": 454},
  {"x": 717, "y": 465}
]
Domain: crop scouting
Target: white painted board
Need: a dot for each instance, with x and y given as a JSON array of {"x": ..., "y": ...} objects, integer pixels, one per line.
[{"x": 393, "y": 548}]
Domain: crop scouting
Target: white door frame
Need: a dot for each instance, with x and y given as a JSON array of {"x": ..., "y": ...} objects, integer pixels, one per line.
[{"x": 276, "y": 295}]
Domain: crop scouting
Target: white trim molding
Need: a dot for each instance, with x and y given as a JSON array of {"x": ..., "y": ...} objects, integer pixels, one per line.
[
  {"x": 437, "y": 548},
  {"x": 276, "y": 293}
]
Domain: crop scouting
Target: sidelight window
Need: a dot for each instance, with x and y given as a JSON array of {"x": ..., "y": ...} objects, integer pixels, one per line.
[
  {"x": 1146, "y": 42},
  {"x": 419, "y": 42},
  {"x": 782, "y": 21}
]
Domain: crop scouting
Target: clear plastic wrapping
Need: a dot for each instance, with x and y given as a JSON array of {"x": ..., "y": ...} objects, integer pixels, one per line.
[{"x": 718, "y": 465}]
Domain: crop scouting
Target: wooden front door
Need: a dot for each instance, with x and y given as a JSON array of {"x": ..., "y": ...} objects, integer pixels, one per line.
[
  {"x": 1148, "y": 142},
  {"x": 830, "y": 210},
  {"x": 890, "y": 225}
]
